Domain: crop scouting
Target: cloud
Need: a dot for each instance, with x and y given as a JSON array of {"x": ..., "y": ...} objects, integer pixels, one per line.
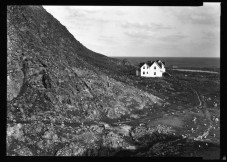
[
  {"x": 81, "y": 11},
  {"x": 87, "y": 9},
  {"x": 209, "y": 14},
  {"x": 108, "y": 39},
  {"x": 199, "y": 18},
  {"x": 172, "y": 38},
  {"x": 145, "y": 26},
  {"x": 210, "y": 35},
  {"x": 148, "y": 36},
  {"x": 84, "y": 14},
  {"x": 141, "y": 31},
  {"x": 138, "y": 34}
]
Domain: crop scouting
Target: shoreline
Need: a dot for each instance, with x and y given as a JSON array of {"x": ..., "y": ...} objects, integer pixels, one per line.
[{"x": 201, "y": 71}]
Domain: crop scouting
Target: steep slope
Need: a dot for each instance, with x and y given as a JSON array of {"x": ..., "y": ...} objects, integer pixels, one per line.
[{"x": 53, "y": 79}]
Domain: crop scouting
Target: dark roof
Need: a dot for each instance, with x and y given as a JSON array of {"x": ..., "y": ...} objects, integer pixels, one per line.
[
  {"x": 160, "y": 64},
  {"x": 149, "y": 63},
  {"x": 141, "y": 64}
]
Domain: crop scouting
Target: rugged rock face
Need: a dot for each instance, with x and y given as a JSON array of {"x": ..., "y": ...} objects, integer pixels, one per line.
[{"x": 54, "y": 84}]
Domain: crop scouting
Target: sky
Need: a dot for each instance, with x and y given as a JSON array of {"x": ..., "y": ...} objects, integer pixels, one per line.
[{"x": 144, "y": 31}]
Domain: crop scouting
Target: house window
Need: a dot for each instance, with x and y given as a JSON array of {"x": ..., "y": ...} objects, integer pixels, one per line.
[
  {"x": 155, "y": 67},
  {"x": 154, "y": 73},
  {"x": 144, "y": 67},
  {"x": 147, "y": 72},
  {"x": 143, "y": 72},
  {"x": 147, "y": 67}
]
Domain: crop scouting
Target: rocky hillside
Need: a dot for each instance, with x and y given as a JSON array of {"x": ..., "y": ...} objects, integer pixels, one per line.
[{"x": 55, "y": 84}]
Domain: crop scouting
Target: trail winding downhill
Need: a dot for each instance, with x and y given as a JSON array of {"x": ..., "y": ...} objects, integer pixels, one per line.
[
  {"x": 200, "y": 102},
  {"x": 205, "y": 112}
]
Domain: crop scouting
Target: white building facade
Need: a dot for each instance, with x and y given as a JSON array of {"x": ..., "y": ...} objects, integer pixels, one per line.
[
  {"x": 152, "y": 69},
  {"x": 145, "y": 70}
]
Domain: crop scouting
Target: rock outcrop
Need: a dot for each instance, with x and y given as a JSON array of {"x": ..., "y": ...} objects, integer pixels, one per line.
[{"x": 55, "y": 84}]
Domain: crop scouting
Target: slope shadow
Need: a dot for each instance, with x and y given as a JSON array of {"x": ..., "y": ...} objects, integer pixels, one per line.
[{"x": 164, "y": 146}]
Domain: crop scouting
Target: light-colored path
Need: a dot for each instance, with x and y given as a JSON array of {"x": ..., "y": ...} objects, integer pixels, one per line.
[{"x": 200, "y": 71}]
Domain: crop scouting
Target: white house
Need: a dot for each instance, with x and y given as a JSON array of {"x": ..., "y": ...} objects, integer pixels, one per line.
[{"x": 151, "y": 69}]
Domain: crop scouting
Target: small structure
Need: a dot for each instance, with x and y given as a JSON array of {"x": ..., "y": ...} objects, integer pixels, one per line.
[{"x": 151, "y": 69}]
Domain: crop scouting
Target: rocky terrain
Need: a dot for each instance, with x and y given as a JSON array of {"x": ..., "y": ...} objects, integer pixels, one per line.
[{"x": 66, "y": 100}]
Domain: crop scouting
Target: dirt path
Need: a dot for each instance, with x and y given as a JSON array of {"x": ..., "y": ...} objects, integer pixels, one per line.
[
  {"x": 198, "y": 97},
  {"x": 200, "y": 102},
  {"x": 206, "y": 114}
]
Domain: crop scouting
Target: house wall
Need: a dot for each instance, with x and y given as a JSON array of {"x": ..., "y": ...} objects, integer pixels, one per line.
[
  {"x": 163, "y": 68},
  {"x": 137, "y": 72},
  {"x": 145, "y": 70},
  {"x": 155, "y": 72}
]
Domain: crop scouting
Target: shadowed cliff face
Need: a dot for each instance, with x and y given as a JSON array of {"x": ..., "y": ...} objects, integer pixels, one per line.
[{"x": 54, "y": 83}]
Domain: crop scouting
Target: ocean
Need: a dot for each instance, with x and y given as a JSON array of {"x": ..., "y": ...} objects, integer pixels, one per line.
[{"x": 180, "y": 62}]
